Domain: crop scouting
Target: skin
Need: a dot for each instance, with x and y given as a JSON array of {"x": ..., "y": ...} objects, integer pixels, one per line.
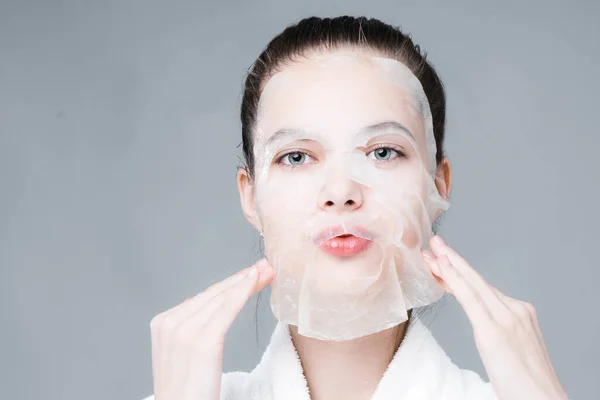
[
  {"x": 336, "y": 110},
  {"x": 187, "y": 340}
]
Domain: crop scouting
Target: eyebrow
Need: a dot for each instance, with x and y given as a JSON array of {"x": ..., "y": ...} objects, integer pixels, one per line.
[
  {"x": 286, "y": 132},
  {"x": 371, "y": 129},
  {"x": 385, "y": 126}
]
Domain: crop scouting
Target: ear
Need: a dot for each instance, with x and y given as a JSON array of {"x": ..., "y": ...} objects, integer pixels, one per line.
[
  {"x": 443, "y": 178},
  {"x": 443, "y": 181},
  {"x": 245, "y": 186}
]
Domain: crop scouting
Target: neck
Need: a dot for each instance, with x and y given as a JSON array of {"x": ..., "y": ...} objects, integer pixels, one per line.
[{"x": 349, "y": 370}]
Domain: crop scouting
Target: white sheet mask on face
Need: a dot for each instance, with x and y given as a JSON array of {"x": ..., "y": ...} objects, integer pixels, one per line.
[{"x": 333, "y": 112}]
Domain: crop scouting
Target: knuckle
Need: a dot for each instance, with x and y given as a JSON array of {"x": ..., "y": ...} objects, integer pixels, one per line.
[
  {"x": 508, "y": 318},
  {"x": 530, "y": 307},
  {"x": 524, "y": 309},
  {"x": 510, "y": 324},
  {"x": 511, "y": 320},
  {"x": 168, "y": 325},
  {"x": 518, "y": 317},
  {"x": 156, "y": 322}
]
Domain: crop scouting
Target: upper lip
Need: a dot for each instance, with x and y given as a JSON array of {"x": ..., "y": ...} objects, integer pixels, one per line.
[{"x": 338, "y": 230}]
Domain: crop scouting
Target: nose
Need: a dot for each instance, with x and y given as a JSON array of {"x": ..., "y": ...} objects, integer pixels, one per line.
[{"x": 343, "y": 195}]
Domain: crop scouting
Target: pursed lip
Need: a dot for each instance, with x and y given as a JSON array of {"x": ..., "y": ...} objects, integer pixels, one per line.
[
  {"x": 346, "y": 245},
  {"x": 353, "y": 236}
]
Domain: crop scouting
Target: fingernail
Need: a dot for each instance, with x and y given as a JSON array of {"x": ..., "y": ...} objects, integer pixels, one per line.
[
  {"x": 427, "y": 255},
  {"x": 438, "y": 240}
]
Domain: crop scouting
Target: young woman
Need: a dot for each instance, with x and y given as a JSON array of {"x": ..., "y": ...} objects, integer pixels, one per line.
[{"x": 310, "y": 89}]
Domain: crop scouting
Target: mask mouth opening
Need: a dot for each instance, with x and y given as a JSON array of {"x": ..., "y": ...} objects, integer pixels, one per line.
[
  {"x": 344, "y": 230},
  {"x": 346, "y": 245}
]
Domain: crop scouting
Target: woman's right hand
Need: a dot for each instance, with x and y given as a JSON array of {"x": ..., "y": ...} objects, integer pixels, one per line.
[{"x": 187, "y": 340}]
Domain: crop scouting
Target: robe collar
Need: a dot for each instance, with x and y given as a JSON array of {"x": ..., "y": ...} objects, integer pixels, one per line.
[{"x": 419, "y": 370}]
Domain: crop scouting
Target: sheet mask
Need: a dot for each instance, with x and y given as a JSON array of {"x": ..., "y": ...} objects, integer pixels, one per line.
[{"x": 392, "y": 204}]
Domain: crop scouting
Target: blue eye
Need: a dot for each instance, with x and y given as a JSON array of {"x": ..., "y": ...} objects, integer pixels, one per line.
[
  {"x": 384, "y": 154},
  {"x": 295, "y": 158}
]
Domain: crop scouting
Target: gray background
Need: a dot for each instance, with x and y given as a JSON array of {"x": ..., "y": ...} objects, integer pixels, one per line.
[{"x": 118, "y": 153}]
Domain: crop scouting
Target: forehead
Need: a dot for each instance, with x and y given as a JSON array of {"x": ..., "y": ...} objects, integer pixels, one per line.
[{"x": 339, "y": 92}]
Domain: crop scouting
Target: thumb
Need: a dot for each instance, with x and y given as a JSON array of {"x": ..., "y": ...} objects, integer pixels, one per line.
[{"x": 265, "y": 275}]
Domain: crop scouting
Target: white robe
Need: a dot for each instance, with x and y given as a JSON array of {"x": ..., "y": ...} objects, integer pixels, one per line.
[{"x": 420, "y": 370}]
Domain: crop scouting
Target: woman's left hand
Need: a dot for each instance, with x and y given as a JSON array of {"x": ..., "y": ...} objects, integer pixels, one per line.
[{"x": 506, "y": 330}]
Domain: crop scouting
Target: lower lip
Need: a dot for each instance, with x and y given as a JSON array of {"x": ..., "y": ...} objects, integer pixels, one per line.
[{"x": 345, "y": 246}]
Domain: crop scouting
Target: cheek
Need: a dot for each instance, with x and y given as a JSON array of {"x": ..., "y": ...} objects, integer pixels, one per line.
[
  {"x": 284, "y": 201},
  {"x": 415, "y": 223},
  {"x": 405, "y": 199}
]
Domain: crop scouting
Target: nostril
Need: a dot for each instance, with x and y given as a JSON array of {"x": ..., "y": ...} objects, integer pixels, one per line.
[{"x": 347, "y": 203}]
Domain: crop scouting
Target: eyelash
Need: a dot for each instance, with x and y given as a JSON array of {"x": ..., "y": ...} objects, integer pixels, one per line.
[
  {"x": 280, "y": 159},
  {"x": 399, "y": 152}
]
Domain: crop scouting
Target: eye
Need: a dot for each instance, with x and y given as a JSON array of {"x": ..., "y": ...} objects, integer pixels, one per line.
[
  {"x": 295, "y": 158},
  {"x": 385, "y": 154}
]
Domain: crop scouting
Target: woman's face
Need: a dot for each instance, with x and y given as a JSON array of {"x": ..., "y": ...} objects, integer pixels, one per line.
[{"x": 341, "y": 154}]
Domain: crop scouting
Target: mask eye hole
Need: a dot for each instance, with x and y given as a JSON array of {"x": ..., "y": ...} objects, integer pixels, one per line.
[
  {"x": 385, "y": 153},
  {"x": 295, "y": 159}
]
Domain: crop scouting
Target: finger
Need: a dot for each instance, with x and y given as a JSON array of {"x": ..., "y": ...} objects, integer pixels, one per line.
[
  {"x": 431, "y": 262},
  {"x": 232, "y": 303},
  {"x": 162, "y": 345},
  {"x": 188, "y": 333},
  {"x": 463, "y": 291},
  {"x": 483, "y": 288},
  {"x": 259, "y": 277},
  {"x": 235, "y": 301},
  {"x": 204, "y": 331},
  {"x": 194, "y": 304},
  {"x": 439, "y": 248},
  {"x": 266, "y": 274},
  {"x": 211, "y": 291},
  {"x": 175, "y": 316},
  {"x": 215, "y": 318},
  {"x": 225, "y": 284}
]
